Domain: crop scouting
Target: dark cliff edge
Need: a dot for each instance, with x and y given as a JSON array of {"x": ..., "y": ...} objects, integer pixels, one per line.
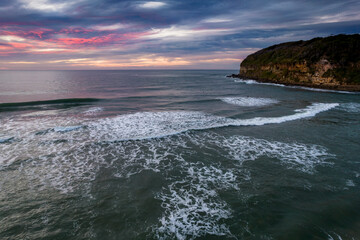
[{"x": 331, "y": 63}]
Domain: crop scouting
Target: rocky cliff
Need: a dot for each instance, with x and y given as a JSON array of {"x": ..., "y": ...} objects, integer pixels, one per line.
[{"x": 331, "y": 62}]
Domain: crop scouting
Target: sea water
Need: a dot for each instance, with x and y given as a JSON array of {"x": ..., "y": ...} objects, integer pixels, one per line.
[{"x": 175, "y": 155}]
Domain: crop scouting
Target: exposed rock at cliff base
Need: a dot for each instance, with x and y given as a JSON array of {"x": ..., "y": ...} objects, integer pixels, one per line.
[{"x": 332, "y": 62}]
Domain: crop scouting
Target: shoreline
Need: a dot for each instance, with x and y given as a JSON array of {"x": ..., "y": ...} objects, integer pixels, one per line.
[{"x": 348, "y": 88}]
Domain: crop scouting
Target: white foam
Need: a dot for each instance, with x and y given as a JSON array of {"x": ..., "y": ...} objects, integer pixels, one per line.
[
  {"x": 41, "y": 113},
  {"x": 145, "y": 125},
  {"x": 246, "y": 81},
  {"x": 93, "y": 110},
  {"x": 336, "y": 236},
  {"x": 28, "y": 144},
  {"x": 63, "y": 129},
  {"x": 6, "y": 139},
  {"x": 350, "y": 183},
  {"x": 142, "y": 125},
  {"x": 321, "y": 90},
  {"x": 250, "y": 81},
  {"x": 50, "y": 152},
  {"x": 249, "y": 101},
  {"x": 293, "y": 155},
  {"x": 351, "y": 107},
  {"x": 307, "y": 112},
  {"x": 192, "y": 205}
]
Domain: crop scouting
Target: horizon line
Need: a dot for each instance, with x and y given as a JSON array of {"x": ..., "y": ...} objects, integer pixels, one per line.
[{"x": 142, "y": 69}]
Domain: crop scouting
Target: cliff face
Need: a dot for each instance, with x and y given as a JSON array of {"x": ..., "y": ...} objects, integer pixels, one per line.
[{"x": 332, "y": 62}]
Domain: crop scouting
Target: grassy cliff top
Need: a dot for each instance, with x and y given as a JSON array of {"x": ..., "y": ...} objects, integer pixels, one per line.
[{"x": 341, "y": 50}]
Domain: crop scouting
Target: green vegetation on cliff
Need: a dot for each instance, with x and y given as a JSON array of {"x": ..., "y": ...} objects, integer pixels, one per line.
[{"x": 330, "y": 61}]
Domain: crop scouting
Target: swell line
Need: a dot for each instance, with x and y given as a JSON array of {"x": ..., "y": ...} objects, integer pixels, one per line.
[
  {"x": 147, "y": 125},
  {"x": 13, "y": 106}
]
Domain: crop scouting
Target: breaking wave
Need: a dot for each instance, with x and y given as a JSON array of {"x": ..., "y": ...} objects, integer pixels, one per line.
[
  {"x": 294, "y": 155},
  {"x": 144, "y": 125},
  {"x": 93, "y": 110},
  {"x": 249, "y": 101},
  {"x": 250, "y": 81},
  {"x": 47, "y": 102},
  {"x": 62, "y": 129},
  {"x": 6, "y": 139},
  {"x": 137, "y": 126},
  {"x": 192, "y": 205},
  {"x": 351, "y": 107}
]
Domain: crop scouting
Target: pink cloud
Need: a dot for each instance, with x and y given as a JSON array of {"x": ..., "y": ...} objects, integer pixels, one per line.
[
  {"x": 38, "y": 33},
  {"x": 19, "y": 45},
  {"x": 76, "y": 30},
  {"x": 99, "y": 40},
  {"x": 84, "y": 41},
  {"x": 31, "y": 34}
]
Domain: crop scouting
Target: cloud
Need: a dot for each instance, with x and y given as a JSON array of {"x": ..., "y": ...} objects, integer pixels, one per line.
[
  {"x": 112, "y": 27},
  {"x": 22, "y": 62},
  {"x": 174, "y": 33},
  {"x": 150, "y": 60},
  {"x": 152, "y": 5},
  {"x": 48, "y": 50},
  {"x": 45, "y": 5},
  {"x": 10, "y": 38},
  {"x": 217, "y": 20}
]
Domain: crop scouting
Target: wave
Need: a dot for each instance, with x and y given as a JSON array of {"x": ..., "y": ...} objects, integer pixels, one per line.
[
  {"x": 351, "y": 107},
  {"x": 123, "y": 128},
  {"x": 59, "y": 129},
  {"x": 62, "y": 129},
  {"x": 15, "y": 105},
  {"x": 137, "y": 126},
  {"x": 300, "y": 156},
  {"x": 6, "y": 139},
  {"x": 249, "y": 101},
  {"x": 309, "y": 111},
  {"x": 192, "y": 206},
  {"x": 250, "y": 81},
  {"x": 145, "y": 125},
  {"x": 43, "y": 112},
  {"x": 350, "y": 183},
  {"x": 321, "y": 90},
  {"x": 37, "y": 135},
  {"x": 93, "y": 110}
]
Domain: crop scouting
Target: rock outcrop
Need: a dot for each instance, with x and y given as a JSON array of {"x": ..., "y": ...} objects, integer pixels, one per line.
[{"x": 331, "y": 62}]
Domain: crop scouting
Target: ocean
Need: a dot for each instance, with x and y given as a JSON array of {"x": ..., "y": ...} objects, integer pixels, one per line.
[{"x": 175, "y": 154}]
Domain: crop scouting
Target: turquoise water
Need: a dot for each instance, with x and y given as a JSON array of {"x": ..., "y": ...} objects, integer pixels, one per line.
[{"x": 175, "y": 155}]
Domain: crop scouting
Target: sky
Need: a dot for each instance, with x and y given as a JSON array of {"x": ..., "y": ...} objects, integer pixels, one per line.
[{"x": 166, "y": 34}]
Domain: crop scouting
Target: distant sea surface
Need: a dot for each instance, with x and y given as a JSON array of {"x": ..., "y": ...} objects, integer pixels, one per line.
[{"x": 175, "y": 155}]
